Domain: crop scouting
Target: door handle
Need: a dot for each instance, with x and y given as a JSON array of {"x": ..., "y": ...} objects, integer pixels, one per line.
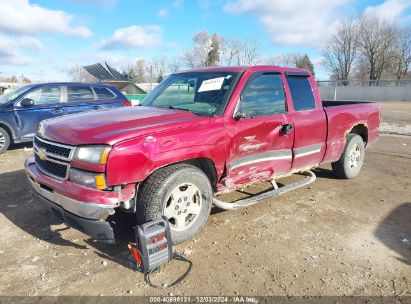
[
  {"x": 58, "y": 110},
  {"x": 96, "y": 107},
  {"x": 286, "y": 128}
]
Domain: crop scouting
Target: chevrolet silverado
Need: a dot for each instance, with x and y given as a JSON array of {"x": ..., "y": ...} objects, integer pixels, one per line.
[{"x": 200, "y": 133}]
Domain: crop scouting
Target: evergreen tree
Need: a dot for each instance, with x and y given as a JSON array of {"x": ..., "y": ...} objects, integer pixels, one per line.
[{"x": 304, "y": 62}]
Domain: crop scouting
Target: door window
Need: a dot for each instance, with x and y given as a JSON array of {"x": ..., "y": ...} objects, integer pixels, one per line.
[
  {"x": 76, "y": 93},
  {"x": 103, "y": 93},
  {"x": 301, "y": 92},
  {"x": 263, "y": 95},
  {"x": 45, "y": 95}
]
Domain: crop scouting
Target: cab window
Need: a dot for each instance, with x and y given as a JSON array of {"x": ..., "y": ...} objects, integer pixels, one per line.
[
  {"x": 263, "y": 95},
  {"x": 301, "y": 92}
]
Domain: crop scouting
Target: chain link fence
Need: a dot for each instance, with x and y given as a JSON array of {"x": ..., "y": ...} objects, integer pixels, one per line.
[{"x": 366, "y": 90}]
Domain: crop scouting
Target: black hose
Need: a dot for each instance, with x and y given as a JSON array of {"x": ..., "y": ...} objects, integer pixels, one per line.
[{"x": 177, "y": 256}]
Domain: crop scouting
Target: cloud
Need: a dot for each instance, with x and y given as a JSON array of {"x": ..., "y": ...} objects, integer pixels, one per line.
[
  {"x": 19, "y": 16},
  {"x": 292, "y": 22},
  {"x": 389, "y": 10},
  {"x": 10, "y": 46},
  {"x": 134, "y": 37},
  {"x": 163, "y": 12}
]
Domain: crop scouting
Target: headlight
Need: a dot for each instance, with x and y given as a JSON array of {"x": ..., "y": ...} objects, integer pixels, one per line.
[
  {"x": 88, "y": 179},
  {"x": 92, "y": 154}
]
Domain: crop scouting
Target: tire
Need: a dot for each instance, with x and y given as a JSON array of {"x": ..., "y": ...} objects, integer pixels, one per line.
[
  {"x": 352, "y": 159},
  {"x": 4, "y": 140},
  {"x": 177, "y": 188}
]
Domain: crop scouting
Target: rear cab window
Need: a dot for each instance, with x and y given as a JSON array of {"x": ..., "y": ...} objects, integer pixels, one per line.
[
  {"x": 301, "y": 92},
  {"x": 78, "y": 93}
]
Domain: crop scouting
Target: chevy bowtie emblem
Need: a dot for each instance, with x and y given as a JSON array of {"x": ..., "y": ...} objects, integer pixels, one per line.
[{"x": 42, "y": 155}]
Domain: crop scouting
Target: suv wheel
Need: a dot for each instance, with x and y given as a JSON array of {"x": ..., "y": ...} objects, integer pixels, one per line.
[{"x": 4, "y": 140}]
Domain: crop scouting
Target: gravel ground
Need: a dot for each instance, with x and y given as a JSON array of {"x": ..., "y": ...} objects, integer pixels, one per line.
[
  {"x": 396, "y": 118},
  {"x": 334, "y": 237}
]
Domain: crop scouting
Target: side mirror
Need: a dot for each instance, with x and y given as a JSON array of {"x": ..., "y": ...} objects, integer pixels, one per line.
[
  {"x": 27, "y": 102},
  {"x": 239, "y": 115}
]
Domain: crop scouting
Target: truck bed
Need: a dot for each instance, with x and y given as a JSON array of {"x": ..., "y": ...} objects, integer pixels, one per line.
[
  {"x": 342, "y": 116},
  {"x": 335, "y": 103}
]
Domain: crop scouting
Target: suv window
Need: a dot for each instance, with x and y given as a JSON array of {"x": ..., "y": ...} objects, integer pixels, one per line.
[
  {"x": 79, "y": 93},
  {"x": 301, "y": 92},
  {"x": 263, "y": 95},
  {"x": 103, "y": 93},
  {"x": 45, "y": 95}
]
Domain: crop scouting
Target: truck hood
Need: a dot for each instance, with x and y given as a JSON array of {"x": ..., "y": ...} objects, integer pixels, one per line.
[{"x": 112, "y": 126}]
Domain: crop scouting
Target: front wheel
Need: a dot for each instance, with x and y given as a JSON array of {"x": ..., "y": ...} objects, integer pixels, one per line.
[
  {"x": 352, "y": 159},
  {"x": 4, "y": 140},
  {"x": 180, "y": 192}
]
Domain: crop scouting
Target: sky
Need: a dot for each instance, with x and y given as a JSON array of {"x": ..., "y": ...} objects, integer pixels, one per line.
[{"x": 44, "y": 39}]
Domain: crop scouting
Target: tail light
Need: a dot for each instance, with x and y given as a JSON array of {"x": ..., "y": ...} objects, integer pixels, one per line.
[{"x": 126, "y": 103}]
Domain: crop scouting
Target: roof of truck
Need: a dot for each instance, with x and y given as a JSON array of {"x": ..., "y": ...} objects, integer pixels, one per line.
[{"x": 241, "y": 69}]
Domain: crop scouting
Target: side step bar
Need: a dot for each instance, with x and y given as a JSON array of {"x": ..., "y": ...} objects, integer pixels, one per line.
[{"x": 276, "y": 191}]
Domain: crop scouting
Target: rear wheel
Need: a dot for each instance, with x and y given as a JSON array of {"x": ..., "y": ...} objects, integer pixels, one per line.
[
  {"x": 4, "y": 140},
  {"x": 352, "y": 159},
  {"x": 180, "y": 192}
]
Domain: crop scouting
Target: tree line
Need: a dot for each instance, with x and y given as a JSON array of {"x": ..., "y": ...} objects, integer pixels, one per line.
[
  {"x": 212, "y": 50},
  {"x": 367, "y": 49}
]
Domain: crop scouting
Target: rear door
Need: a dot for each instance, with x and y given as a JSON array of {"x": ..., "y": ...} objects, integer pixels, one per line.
[
  {"x": 79, "y": 98},
  {"x": 309, "y": 121},
  {"x": 259, "y": 146},
  {"x": 47, "y": 104},
  {"x": 107, "y": 98}
]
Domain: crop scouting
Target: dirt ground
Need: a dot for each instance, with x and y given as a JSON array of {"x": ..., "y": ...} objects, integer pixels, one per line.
[{"x": 334, "y": 237}]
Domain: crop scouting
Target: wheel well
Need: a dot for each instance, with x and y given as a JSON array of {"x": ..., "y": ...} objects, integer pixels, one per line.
[
  {"x": 361, "y": 130},
  {"x": 8, "y": 131},
  {"x": 207, "y": 166}
]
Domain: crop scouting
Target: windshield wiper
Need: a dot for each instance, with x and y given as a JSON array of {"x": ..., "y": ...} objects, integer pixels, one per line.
[{"x": 174, "y": 108}]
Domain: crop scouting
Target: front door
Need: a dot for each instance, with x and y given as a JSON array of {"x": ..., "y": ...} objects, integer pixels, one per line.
[
  {"x": 46, "y": 105},
  {"x": 262, "y": 131}
]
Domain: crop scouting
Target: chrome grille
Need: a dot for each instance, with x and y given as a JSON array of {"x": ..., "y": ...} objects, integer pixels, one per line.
[
  {"x": 51, "y": 168},
  {"x": 52, "y": 158},
  {"x": 55, "y": 149}
]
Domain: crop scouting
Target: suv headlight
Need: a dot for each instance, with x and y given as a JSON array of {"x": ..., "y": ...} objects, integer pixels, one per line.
[
  {"x": 92, "y": 154},
  {"x": 88, "y": 179}
]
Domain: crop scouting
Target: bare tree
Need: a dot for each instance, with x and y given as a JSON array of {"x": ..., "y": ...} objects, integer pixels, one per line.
[
  {"x": 376, "y": 42},
  {"x": 174, "y": 64},
  {"x": 79, "y": 74},
  {"x": 189, "y": 59},
  {"x": 285, "y": 60},
  {"x": 140, "y": 71},
  {"x": 341, "y": 52},
  {"x": 230, "y": 49},
  {"x": 159, "y": 67},
  {"x": 402, "y": 53},
  {"x": 251, "y": 51}
]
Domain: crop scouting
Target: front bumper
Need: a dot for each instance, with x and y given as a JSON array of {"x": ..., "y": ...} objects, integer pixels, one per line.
[
  {"x": 81, "y": 208},
  {"x": 100, "y": 230}
]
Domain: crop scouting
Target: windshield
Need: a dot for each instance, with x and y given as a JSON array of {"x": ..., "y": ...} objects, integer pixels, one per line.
[
  {"x": 14, "y": 94},
  {"x": 202, "y": 93}
]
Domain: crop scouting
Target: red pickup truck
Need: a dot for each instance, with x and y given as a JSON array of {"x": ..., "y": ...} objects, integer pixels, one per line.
[{"x": 198, "y": 134}]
